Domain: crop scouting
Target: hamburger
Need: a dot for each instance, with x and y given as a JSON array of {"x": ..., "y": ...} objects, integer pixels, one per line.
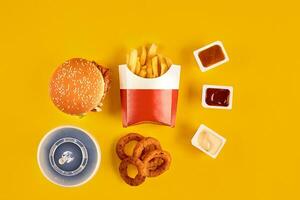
[{"x": 79, "y": 86}]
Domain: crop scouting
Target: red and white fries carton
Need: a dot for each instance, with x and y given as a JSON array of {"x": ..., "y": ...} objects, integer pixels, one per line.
[{"x": 149, "y": 100}]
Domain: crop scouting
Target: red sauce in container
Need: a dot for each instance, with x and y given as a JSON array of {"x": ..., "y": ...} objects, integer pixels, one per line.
[
  {"x": 211, "y": 55},
  {"x": 217, "y": 97}
]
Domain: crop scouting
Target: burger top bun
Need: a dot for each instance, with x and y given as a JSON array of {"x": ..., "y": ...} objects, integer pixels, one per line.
[{"x": 77, "y": 86}]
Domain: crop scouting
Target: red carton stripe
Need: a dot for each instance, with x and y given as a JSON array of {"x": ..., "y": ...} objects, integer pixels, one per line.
[{"x": 146, "y": 105}]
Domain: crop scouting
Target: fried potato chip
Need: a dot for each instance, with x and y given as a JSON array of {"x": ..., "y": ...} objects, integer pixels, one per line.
[
  {"x": 149, "y": 72},
  {"x": 163, "y": 65},
  {"x": 143, "y": 55},
  {"x": 154, "y": 63},
  {"x": 148, "y": 64},
  {"x": 169, "y": 62},
  {"x": 152, "y": 51},
  {"x": 143, "y": 73},
  {"x": 133, "y": 60},
  {"x": 138, "y": 66}
]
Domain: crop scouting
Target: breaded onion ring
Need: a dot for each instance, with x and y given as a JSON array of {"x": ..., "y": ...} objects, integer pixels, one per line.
[
  {"x": 155, "y": 163},
  {"x": 139, "y": 178},
  {"x": 144, "y": 146},
  {"x": 164, "y": 155},
  {"x": 120, "y": 148}
]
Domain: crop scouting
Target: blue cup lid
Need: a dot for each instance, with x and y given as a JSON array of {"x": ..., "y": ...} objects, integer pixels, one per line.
[{"x": 68, "y": 156}]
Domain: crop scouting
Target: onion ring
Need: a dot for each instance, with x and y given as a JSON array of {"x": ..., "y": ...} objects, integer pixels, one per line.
[
  {"x": 162, "y": 167},
  {"x": 144, "y": 146},
  {"x": 125, "y": 140},
  {"x": 139, "y": 178},
  {"x": 155, "y": 163}
]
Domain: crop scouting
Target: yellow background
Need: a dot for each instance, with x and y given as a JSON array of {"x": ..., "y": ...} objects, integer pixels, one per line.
[{"x": 261, "y": 157}]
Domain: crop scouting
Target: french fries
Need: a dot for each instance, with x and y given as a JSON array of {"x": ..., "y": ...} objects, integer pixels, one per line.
[
  {"x": 143, "y": 56},
  {"x": 152, "y": 51},
  {"x": 149, "y": 72},
  {"x": 169, "y": 61},
  {"x": 143, "y": 73},
  {"x": 133, "y": 57},
  {"x": 163, "y": 65},
  {"x": 148, "y": 63},
  {"x": 138, "y": 66},
  {"x": 154, "y": 63}
]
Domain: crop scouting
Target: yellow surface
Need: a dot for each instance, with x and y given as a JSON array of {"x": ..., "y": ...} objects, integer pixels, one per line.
[{"x": 261, "y": 157}]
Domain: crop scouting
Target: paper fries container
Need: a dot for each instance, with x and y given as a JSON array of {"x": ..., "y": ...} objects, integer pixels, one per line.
[{"x": 149, "y": 100}]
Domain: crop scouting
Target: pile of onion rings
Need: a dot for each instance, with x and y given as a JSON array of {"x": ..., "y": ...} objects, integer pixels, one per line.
[{"x": 148, "y": 157}]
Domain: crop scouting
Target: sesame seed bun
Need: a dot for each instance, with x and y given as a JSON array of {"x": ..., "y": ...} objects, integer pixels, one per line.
[{"x": 77, "y": 86}]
